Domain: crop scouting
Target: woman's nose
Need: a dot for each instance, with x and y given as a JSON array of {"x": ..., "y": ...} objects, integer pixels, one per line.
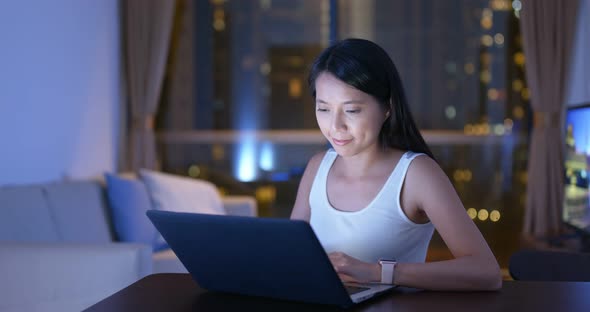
[{"x": 338, "y": 122}]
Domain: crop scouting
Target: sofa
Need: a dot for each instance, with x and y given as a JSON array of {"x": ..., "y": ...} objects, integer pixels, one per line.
[{"x": 59, "y": 248}]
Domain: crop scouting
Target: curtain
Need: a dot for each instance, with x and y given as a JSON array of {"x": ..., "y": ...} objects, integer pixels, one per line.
[
  {"x": 548, "y": 29},
  {"x": 147, "y": 29}
]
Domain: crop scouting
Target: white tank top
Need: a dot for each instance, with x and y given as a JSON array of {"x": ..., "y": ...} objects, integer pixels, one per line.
[{"x": 380, "y": 230}]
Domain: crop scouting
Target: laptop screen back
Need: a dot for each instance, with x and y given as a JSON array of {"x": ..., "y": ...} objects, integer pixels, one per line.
[{"x": 276, "y": 258}]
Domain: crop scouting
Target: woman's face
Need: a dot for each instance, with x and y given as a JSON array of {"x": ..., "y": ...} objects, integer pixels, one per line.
[{"x": 349, "y": 118}]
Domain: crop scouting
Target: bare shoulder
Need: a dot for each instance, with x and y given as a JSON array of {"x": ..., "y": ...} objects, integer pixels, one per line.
[
  {"x": 424, "y": 167},
  {"x": 312, "y": 167},
  {"x": 429, "y": 188},
  {"x": 301, "y": 209},
  {"x": 315, "y": 161},
  {"x": 425, "y": 178}
]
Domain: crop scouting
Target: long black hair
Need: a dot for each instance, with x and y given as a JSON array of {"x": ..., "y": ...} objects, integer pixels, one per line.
[{"x": 365, "y": 66}]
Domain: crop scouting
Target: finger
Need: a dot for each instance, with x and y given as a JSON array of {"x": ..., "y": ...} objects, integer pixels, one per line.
[
  {"x": 333, "y": 260},
  {"x": 346, "y": 278},
  {"x": 337, "y": 259},
  {"x": 335, "y": 255}
]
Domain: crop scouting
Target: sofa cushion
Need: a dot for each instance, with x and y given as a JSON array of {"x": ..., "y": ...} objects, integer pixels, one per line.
[
  {"x": 80, "y": 212},
  {"x": 129, "y": 201},
  {"x": 67, "y": 276},
  {"x": 25, "y": 215},
  {"x": 176, "y": 193}
]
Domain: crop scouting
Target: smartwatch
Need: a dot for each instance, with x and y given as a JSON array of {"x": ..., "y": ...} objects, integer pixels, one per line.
[{"x": 387, "y": 270}]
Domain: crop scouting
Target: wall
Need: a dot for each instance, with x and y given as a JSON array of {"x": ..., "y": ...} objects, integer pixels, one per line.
[
  {"x": 59, "y": 89},
  {"x": 579, "y": 79}
]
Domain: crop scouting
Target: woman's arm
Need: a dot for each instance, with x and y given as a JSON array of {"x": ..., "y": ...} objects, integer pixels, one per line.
[
  {"x": 474, "y": 268},
  {"x": 301, "y": 209}
]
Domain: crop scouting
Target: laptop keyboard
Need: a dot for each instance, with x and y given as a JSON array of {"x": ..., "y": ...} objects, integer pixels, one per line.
[{"x": 354, "y": 289}]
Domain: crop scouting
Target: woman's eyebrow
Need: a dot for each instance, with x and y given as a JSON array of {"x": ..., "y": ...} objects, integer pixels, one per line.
[
  {"x": 345, "y": 102},
  {"x": 353, "y": 102}
]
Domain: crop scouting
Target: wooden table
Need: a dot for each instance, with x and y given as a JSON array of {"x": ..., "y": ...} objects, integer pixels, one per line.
[{"x": 178, "y": 292}]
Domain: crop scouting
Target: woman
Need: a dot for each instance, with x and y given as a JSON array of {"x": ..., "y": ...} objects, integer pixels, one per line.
[{"x": 376, "y": 197}]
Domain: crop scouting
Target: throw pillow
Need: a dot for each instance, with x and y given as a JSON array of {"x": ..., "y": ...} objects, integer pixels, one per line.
[
  {"x": 182, "y": 194},
  {"x": 129, "y": 200}
]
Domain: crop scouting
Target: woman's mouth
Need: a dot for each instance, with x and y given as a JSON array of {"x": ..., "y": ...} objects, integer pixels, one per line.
[{"x": 341, "y": 142}]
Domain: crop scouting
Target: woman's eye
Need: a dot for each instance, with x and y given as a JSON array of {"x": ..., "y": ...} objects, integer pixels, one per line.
[
  {"x": 322, "y": 110},
  {"x": 353, "y": 111}
]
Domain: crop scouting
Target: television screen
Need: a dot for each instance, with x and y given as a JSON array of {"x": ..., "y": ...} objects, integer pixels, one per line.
[{"x": 576, "y": 208}]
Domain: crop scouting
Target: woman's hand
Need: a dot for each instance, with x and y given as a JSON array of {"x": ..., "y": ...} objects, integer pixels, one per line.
[{"x": 350, "y": 269}]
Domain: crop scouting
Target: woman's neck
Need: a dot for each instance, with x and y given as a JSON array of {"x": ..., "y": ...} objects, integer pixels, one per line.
[{"x": 365, "y": 163}]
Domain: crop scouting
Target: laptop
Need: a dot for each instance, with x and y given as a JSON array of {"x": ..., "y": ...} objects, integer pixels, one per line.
[{"x": 267, "y": 257}]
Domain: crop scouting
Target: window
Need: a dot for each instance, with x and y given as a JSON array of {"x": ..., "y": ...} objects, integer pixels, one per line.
[{"x": 236, "y": 106}]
